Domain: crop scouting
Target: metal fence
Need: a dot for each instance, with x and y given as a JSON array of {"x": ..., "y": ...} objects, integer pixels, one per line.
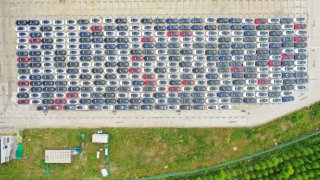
[{"x": 161, "y": 176}]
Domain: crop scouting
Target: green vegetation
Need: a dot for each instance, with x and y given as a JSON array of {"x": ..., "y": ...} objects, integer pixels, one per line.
[
  {"x": 146, "y": 152},
  {"x": 300, "y": 160}
]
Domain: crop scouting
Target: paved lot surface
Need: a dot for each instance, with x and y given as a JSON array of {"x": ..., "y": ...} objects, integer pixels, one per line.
[{"x": 12, "y": 115}]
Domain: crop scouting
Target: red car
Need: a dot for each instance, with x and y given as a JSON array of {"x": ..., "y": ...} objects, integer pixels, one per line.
[
  {"x": 188, "y": 82},
  {"x": 23, "y": 59},
  {"x": 274, "y": 63},
  {"x": 96, "y": 28},
  {"x": 173, "y": 33},
  {"x": 300, "y": 39},
  {"x": 35, "y": 40},
  {"x": 23, "y": 101},
  {"x": 134, "y": 70},
  {"x": 300, "y": 26},
  {"x": 72, "y": 95},
  {"x": 174, "y": 89},
  {"x": 148, "y": 76},
  {"x": 23, "y": 83},
  {"x": 260, "y": 21},
  {"x": 137, "y": 58},
  {"x": 60, "y": 101},
  {"x": 287, "y": 56},
  {"x": 147, "y": 39},
  {"x": 150, "y": 83},
  {"x": 264, "y": 81},
  {"x": 185, "y": 33},
  {"x": 55, "y": 107},
  {"x": 237, "y": 69}
]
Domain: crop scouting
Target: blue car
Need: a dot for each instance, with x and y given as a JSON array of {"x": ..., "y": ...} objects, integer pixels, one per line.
[
  {"x": 172, "y": 27},
  {"x": 274, "y": 45},
  {"x": 248, "y": 27},
  {"x": 287, "y": 99}
]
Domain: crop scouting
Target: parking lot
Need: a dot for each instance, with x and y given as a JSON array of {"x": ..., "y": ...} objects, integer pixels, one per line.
[
  {"x": 237, "y": 117},
  {"x": 160, "y": 64}
]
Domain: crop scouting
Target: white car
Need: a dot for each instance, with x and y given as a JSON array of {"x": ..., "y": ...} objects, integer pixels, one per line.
[
  {"x": 262, "y": 100},
  {"x": 22, "y": 34},
  {"x": 301, "y": 33},
  {"x": 251, "y": 81},
  {"x": 262, "y": 45},
  {"x": 108, "y": 21},
  {"x": 275, "y": 69},
  {"x": 287, "y": 68},
  {"x": 198, "y": 33},
  {"x": 277, "y": 81},
  {"x": 262, "y": 69},
  {"x": 22, "y": 47},
  {"x": 23, "y": 77},
  {"x": 73, "y": 101},
  {"x": 262, "y": 33},
  {"x": 95, "y": 20},
  {"x": 276, "y": 75},
  {"x": 275, "y": 100},
  {"x": 35, "y": 101},
  {"x": 288, "y": 51},
  {"x": 261, "y": 94},
  {"x": 275, "y": 88},
  {"x": 237, "y": 33},
  {"x": 174, "y": 39},
  {"x": 300, "y": 19},
  {"x": 275, "y": 57},
  {"x": 211, "y": 33},
  {"x": 22, "y": 89},
  {"x": 224, "y": 33},
  {"x": 211, "y": 39},
  {"x": 248, "y": 94},
  {"x": 236, "y": 39},
  {"x": 147, "y": 28},
  {"x": 262, "y": 39},
  {"x": 58, "y": 22},
  {"x": 262, "y": 88},
  {"x": 36, "y": 71},
  {"x": 160, "y": 39},
  {"x": 274, "y": 20},
  {"x": 287, "y": 26},
  {"x": 248, "y": 20},
  {"x": 160, "y": 33},
  {"x": 249, "y": 63},
  {"x": 249, "y": 51},
  {"x": 263, "y": 75}
]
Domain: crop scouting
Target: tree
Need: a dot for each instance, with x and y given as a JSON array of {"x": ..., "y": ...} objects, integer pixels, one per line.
[{"x": 257, "y": 167}]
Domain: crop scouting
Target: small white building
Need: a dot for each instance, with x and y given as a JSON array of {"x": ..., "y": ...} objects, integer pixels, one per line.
[
  {"x": 58, "y": 156},
  {"x": 100, "y": 138},
  {"x": 5, "y": 148}
]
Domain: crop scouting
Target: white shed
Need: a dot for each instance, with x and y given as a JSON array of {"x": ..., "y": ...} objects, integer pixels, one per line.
[
  {"x": 100, "y": 138},
  {"x": 58, "y": 156}
]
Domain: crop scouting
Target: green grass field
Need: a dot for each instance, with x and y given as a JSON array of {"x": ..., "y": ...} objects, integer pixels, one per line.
[{"x": 146, "y": 152}]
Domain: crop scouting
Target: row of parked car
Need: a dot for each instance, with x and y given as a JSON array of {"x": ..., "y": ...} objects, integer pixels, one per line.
[{"x": 163, "y": 21}]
